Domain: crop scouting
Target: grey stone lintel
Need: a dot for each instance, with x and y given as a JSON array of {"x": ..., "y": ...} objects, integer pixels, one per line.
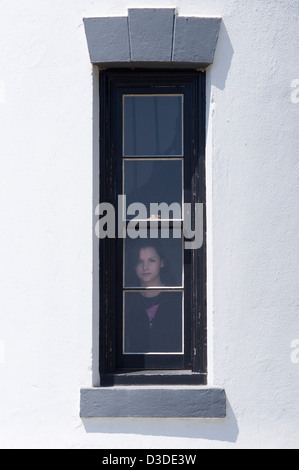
[
  {"x": 152, "y": 37},
  {"x": 153, "y": 402}
]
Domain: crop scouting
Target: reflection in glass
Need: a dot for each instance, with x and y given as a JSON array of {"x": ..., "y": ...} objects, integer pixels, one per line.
[
  {"x": 153, "y": 263},
  {"x": 153, "y": 181},
  {"x": 153, "y": 322},
  {"x": 153, "y": 125}
]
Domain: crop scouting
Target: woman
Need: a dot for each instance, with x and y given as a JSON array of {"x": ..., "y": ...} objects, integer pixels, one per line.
[{"x": 153, "y": 317}]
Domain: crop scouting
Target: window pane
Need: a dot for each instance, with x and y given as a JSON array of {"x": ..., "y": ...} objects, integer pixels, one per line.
[
  {"x": 152, "y": 182},
  {"x": 153, "y": 125},
  {"x": 151, "y": 263},
  {"x": 153, "y": 324}
]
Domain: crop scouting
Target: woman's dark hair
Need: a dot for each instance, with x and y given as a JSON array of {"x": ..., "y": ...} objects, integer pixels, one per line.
[{"x": 134, "y": 258}]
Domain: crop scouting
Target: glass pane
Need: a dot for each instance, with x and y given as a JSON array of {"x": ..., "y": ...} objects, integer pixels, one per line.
[
  {"x": 152, "y": 182},
  {"x": 153, "y": 322},
  {"x": 151, "y": 263},
  {"x": 153, "y": 125}
]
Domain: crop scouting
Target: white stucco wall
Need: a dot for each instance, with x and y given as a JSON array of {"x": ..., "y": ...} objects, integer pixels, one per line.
[{"x": 47, "y": 306}]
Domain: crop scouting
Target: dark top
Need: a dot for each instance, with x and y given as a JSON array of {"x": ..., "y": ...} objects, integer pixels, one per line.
[{"x": 153, "y": 324}]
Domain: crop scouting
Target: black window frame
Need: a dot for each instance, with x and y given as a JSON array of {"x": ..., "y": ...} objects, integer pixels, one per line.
[{"x": 196, "y": 372}]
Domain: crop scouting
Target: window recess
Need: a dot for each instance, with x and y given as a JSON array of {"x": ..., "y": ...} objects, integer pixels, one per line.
[{"x": 152, "y": 288}]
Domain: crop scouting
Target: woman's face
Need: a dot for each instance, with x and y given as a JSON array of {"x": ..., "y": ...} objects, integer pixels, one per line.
[{"x": 148, "y": 267}]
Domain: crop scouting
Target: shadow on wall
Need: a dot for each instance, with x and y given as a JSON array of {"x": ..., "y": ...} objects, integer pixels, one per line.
[
  {"x": 225, "y": 430},
  {"x": 96, "y": 254},
  {"x": 222, "y": 60}
]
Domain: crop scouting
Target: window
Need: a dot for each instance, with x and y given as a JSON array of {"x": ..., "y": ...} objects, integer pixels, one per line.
[
  {"x": 138, "y": 151},
  {"x": 152, "y": 277}
]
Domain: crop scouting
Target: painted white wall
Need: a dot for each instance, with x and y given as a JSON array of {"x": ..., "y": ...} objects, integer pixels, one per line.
[{"x": 46, "y": 237}]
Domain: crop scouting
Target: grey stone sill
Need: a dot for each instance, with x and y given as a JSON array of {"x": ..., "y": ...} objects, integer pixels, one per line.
[{"x": 153, "y": 402}]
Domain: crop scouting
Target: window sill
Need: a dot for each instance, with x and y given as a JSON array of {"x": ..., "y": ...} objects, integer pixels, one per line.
[
  {"x": 153, "y": 402},
  {"x": 165, "y": 377}
]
